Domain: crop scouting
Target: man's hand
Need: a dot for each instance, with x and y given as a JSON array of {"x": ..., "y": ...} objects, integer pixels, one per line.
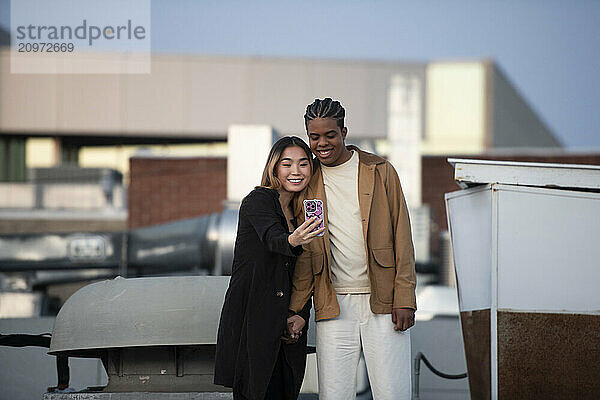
[
  {"x": 293, "y": 331},
  {"x": 285, "y": 338},
  {"x": 295, "y": 323},
  {"x": 403, "y": 318}
]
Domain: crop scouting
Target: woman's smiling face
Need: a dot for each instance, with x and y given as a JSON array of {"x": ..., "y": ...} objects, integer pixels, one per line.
[{"x": 293, "y": 169}]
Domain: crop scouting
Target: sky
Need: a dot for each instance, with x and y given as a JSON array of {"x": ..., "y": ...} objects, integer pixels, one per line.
[{"x": 549, "y": 49}]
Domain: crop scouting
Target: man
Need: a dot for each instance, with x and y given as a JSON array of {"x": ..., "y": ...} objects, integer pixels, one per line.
[{"x": 361, "y": 273}]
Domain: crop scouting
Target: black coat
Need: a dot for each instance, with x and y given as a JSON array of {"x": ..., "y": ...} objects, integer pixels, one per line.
[{"x": 256, "y": 304}]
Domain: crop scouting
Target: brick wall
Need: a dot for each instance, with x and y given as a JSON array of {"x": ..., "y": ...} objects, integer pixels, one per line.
[
  {"x": 438, "y": 178},
  {"x": 168, "y": 189}
]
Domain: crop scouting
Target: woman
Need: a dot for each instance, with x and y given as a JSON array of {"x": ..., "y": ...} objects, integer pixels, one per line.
[{"x": 256, "y": 355}]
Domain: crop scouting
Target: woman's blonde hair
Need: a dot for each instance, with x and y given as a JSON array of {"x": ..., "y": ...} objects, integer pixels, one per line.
[{"x": 269, "y": 175}]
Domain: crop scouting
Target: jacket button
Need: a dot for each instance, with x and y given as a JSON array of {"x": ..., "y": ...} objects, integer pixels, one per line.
[
  {"x": 279, "y": 293},
  {"x": 287, "y": 264}
]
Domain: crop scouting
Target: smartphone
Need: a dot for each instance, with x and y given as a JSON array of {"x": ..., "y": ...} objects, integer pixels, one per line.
[{"x": 314, "y": 208}]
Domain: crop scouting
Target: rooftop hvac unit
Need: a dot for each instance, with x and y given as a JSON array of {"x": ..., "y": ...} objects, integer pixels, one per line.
[
  {"x": 525, "y": 245},
  {"x": 152, "y": 334}
]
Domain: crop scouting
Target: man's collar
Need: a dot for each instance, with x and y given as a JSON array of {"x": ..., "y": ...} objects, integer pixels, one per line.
[{"x": 366, "y": 158}]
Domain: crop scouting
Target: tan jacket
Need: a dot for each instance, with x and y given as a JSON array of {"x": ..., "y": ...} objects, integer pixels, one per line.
[{"x": 388, "y": 241}]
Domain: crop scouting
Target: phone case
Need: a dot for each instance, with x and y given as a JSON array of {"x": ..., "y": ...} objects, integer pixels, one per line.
[{"x": 313, "y": 208}]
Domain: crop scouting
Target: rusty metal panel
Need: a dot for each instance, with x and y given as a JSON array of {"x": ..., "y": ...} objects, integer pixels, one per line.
[
  {"x": 476, "y": 336},
  {"x": 548, "y": 356}
]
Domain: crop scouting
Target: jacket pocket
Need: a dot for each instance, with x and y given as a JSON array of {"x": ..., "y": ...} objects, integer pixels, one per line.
[
  {"x": 384, "y": 257},
  {"x": 383, "y": 274}
]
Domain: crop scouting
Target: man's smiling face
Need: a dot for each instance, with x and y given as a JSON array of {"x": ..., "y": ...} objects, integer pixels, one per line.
[{"x": 326, "y": 141}]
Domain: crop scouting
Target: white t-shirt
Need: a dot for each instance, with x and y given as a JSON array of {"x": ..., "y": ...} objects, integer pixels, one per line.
[{"x": 349, "y": 259}]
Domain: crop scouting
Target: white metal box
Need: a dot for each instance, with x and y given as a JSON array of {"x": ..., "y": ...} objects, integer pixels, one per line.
[{"x": 528, "y": 268}]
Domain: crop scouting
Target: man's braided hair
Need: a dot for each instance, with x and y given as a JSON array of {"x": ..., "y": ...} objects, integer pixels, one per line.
[{"x": 326, "y": 108}]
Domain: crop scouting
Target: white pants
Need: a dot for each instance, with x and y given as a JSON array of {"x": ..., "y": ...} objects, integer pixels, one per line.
[{"x": 386, "y": 352}]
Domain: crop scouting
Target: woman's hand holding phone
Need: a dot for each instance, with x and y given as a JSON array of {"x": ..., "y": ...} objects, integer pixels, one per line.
[{"x": 306, "y": 232}]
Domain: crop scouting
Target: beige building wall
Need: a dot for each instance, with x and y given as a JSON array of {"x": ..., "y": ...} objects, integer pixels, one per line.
[
  {"x": 455, "y": 108},
  {"x": 198, "y": 96}
]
